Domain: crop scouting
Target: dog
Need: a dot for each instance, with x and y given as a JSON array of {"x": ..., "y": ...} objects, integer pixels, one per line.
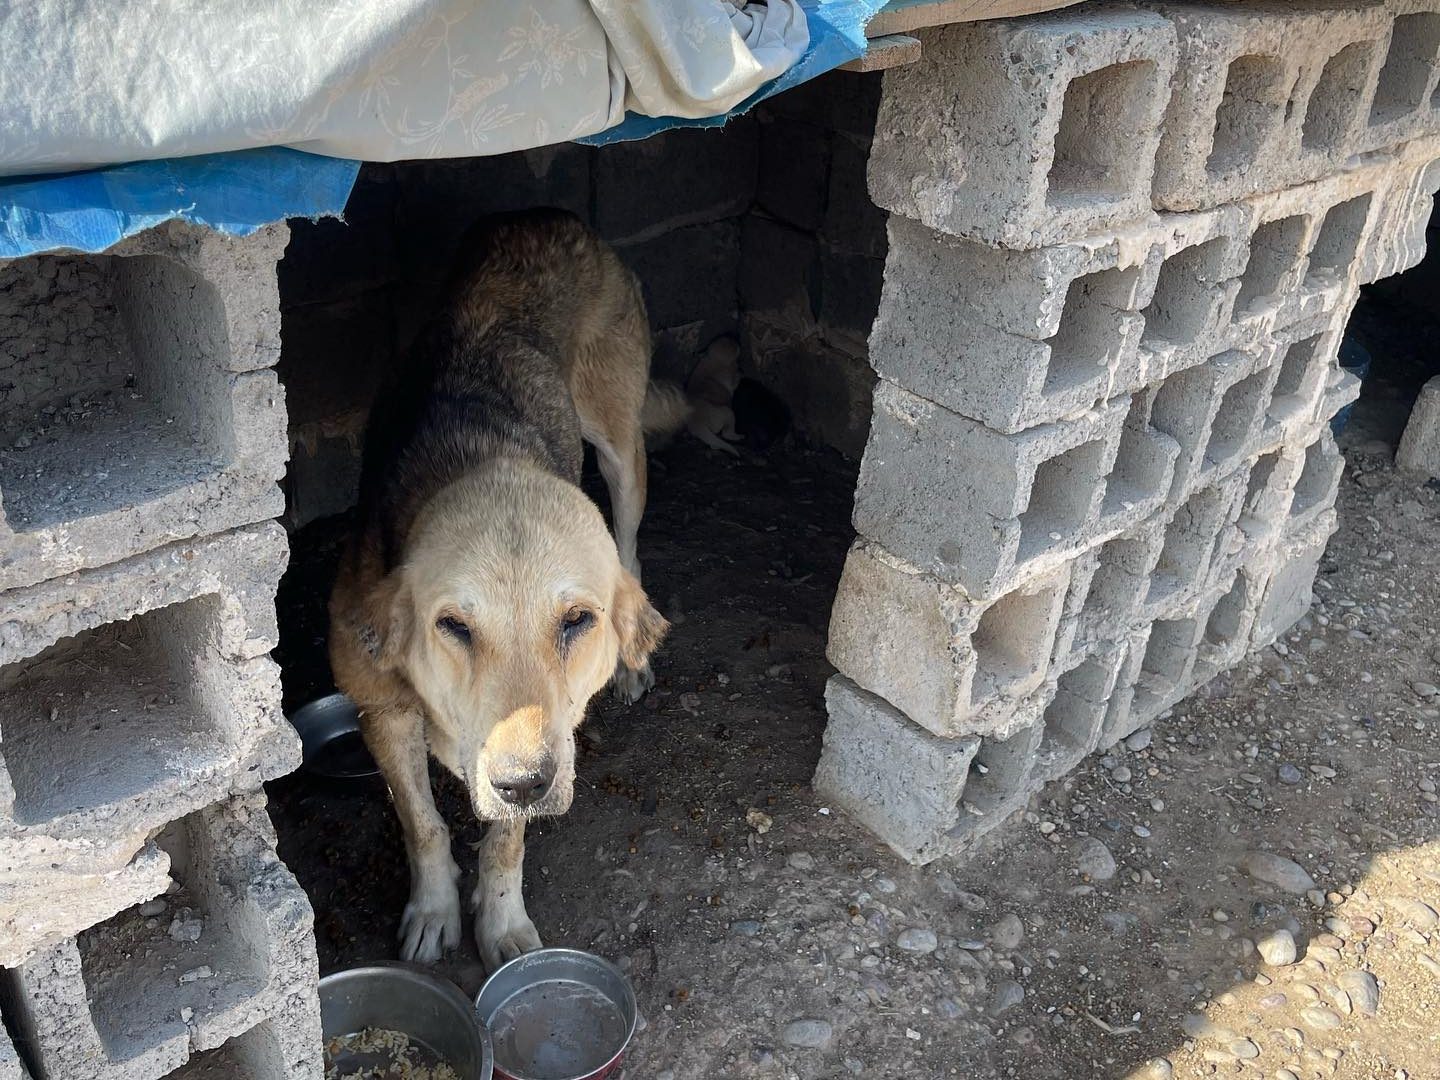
[
  {"x": 709, "y": 392},
  {"x": 482, "y": 602}
]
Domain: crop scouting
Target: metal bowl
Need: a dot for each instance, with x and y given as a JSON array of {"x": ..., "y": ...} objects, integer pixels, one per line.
[
  {"x": 329, "y": 729},
  {"x": 432, "y": 1012},
  {"x": 557, "y": 1014}
]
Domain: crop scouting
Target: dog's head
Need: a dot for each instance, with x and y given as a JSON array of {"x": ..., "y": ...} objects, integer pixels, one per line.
[{"x": 507, "y": 614}]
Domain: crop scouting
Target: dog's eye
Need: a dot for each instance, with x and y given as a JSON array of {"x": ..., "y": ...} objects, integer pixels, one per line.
[
  {"x": 449, "y": 624},
  {"x": 575, "y": 623}
]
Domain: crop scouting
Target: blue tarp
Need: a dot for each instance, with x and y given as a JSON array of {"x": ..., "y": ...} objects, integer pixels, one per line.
[{"x": 242, "y": 191}]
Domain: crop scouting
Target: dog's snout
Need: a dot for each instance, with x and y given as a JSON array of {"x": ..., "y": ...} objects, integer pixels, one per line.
[{"x": 522, "y": 789}]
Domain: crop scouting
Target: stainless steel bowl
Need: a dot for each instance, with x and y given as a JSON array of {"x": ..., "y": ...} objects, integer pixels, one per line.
[
  {"x": 557, "y": 1014},
  {"x": 432, "y": 1012},
  {"x": 329, "y": 729}
]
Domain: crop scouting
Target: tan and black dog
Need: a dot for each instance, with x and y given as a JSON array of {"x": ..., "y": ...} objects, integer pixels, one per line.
[{"x": 483, "y": 602}]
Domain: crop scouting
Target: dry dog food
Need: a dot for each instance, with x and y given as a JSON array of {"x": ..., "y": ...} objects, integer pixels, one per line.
[{"x": 381, "y": 1054}]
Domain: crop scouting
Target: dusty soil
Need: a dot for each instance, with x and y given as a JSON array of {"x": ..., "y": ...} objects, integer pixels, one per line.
[{"x": 732, "y": 936}]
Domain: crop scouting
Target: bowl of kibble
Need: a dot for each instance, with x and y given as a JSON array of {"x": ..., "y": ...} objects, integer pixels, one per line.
[{"x": 391, "y": 1022}]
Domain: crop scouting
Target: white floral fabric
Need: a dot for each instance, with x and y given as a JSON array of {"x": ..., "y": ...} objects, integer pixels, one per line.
[{"x": 93, "y": 82}]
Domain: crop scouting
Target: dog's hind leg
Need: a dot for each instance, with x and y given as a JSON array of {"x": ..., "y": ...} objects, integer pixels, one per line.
[
  {"x": 431, "y": 922},
  {"x": 502, "y": 928}
]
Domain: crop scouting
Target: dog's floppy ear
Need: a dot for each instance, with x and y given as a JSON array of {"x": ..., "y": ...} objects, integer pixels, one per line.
[
  {"x": 391, "y": 619},
  {"x": 638, "y": 625}
]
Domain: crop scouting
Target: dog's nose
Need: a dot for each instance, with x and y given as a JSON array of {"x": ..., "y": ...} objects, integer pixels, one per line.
[{"x": 523, "y": 789}]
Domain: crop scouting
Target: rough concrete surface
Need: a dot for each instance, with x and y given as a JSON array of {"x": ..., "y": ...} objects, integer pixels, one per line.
[
  {"x": 137, "y": 408},
  {"x": 1420, "y": 446},
  {"x": 230, "y": 948}
]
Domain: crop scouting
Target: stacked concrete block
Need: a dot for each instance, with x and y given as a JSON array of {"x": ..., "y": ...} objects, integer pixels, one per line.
[
  {"x": 1100, "y": 469},
  {"x": 142, "y": 438}
]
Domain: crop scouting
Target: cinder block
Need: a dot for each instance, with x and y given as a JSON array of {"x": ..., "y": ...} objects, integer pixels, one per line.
[
  {"x": 1200, "y": 537},
  {"x": 1265, "y": 96},
  {"x": 11, "y": 1067},
  {"x": 1074, "y": 720},
  {"x": 953, "y": 665},
  {"x": 1190, "y": 308},
  {"x": 136, "y": 409},
  {"x": 1288, "y": 592},
  {"x": 1023, "y": 132},
  {"x": 895, "y": 778},
  {"x": 1143, "y": 473},
  {"x": 1167, "y": 664},
  {"x": 1397, "y": 241},
  {"x": 134, "y": 997},
  {"x": 1318, "y": 481},
  {"x": 129, "y": 695},
  {"x": 977, "y": 508},
  {"x": 1420, "y": 445},
  {"x": 1229, "y": 620},
  {"x": 1404, "y": 103},
  {"x": 1114, "y": 585},
  {"x": 287, "y": 1048}
]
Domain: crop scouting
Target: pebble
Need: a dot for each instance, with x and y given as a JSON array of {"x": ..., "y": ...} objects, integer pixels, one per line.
[
  {"x": 1154, "y": 1069},
  {"x": 204, "y": 971},
  {"x": 1285, "y": 1074},
  {"x": 1139, "y": 740},
  {"x": 1320, "y": 1018},
  {"x": 1277, "y": 948},
  {"x": 1273, "y": 1001},
  {"x": 1417, "y": 913},
  {"x": 1325, "y": 772},
  {"x": 1283, "y": 873},
  {"x": 1008, "y": 993},
  {"x": 1200, "y": 1026},
  {"x": 1425, "y": 689},
  {"x": 1363, "y": 990},
  {"x": 1008, "y": 932},
  {"x": 1120, "y": 774},
  {"x": 1141, "y": 831},
  {"x": 801, "y": 860},
  {"x": 151, "y": 908},
  {"x": 918, "y": 940},
  {"x": 745, "y": 927},
  {"x": 949, "y": 1008},
  {"x": 1094, "y": 860},
  {"x": 808, "y": 1034},
  {"x": 185, "y": 929},
  {"x": 1244, "y": 1049},
  {"x": 1289, "y": 774},
  {"x": 1157, "y": 805}
]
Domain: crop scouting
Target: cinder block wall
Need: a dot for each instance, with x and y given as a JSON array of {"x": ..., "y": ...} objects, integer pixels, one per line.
[{"x": 1124, "y": 246}]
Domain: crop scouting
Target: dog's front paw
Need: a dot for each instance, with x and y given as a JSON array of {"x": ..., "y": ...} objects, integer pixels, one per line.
[
  {"x": 503, "y": 931},
  {"x": 431, "y": 923},
  {"x": 630, "y": 684}
]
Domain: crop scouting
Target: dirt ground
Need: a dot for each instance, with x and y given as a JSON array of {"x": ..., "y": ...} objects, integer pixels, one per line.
[{"x": 780, "y": 955}]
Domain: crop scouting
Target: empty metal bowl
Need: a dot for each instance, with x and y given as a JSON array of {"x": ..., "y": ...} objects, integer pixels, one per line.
[
  {"x": 557, "y": 1014},
  {"x": 433, "y": 1013},
  {"x": 329, "y": 729}
]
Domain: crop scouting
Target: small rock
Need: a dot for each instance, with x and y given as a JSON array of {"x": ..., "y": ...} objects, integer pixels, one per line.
[
  {"x": 196, "y": 974},
  {"x": 808, "y": 1034},
  {"x": 1426, "y": 689},
  {"x": 151, "y": 908},
  {"x": 1289, "y": 774},
  {"x": 759, "y": 820},
  {"x": 1141, "y": 831},
  {"x": 1008, "y": 932},
  {"x": 1285, "y": 1074},
  {"x": 1273, "y": 1001},
  {"x": 1094, "y": 860},
  {"x": 1363, "y": 990},
  {"x": 1200, "y": 1026},
  {"x": 745, "y": 927},
  {"x": 186, "y": 1014},
  {"x": 1320, "y": 1018},
  {"x": 918, "y": 940},
  {"x": 1007, "y": 994},
  {"x": 1283, "y": 873},
  {"x": 1120, "y": 774},
  {"x": 183, "y": 928},
  {"x": 1417, "y": 913},
  {"x": 802, "y": 861},
  {"x": 1244, "y": 1049},
  {"x": 1139, "y": 740},
  {"x": 1277, "y": 948},
  {"x": 949, "y": 1008},
  {"x": 1154, "y": 1069}
]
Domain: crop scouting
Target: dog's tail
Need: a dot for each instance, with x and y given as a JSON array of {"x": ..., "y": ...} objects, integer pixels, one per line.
[{"x": 666, "y": 408}]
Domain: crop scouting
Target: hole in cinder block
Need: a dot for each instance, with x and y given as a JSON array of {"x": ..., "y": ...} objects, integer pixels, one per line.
[
  {"x": 1409, "y": 65},
  {"x": 1276, "y": 249},
  {"x": 998, "y": 772},
  {"x": 1338, "y": 241},
  {"x": 1012, "y": 641},
  {"x": 1334, "y": 104},
  {"x": 257, "y": 1054},
  {"x": 206, "y": 953},
  {"x": 1253, "y": 513},
  {"x": 1075, "y": 714},
  {"x": 1060, "y": 499},
  {"x": 1316, "y": 479},
  {"x": 1140, "y": 466},
  {"x": 1236, "y": 420},
  {"x": 1226, "y": 621},
  {"x": 132, "y": 703},
  {"x": 1168, "y": 656},
  {"x": 1184, "y": 294},
  {"x": 1250, "y": 112},
  {"x": 1179, "y": 410},
  {"x": 1089, "y": 332},
  {"x": 1119, "y": 580},
  {"x": 1189, "y": 541},
  {"x": 1094, "y": 146},
  {"x": 1299, "y": 369},
  {"x": 118, "y": 397}
]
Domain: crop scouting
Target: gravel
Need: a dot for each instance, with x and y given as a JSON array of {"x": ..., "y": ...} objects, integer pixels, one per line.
[{"x": 1285, "y": 874}]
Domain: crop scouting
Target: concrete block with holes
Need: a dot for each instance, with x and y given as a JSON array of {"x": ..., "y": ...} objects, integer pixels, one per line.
[
  {"x": 227, "y": 970},
  {"x": 130, "y": 694},
  {"x": 1265, "y": 96},
  {"x": 137, "y": 405},
  {"x": 1021, "y": 132},
  {"x": 1407, "y": 91}
]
